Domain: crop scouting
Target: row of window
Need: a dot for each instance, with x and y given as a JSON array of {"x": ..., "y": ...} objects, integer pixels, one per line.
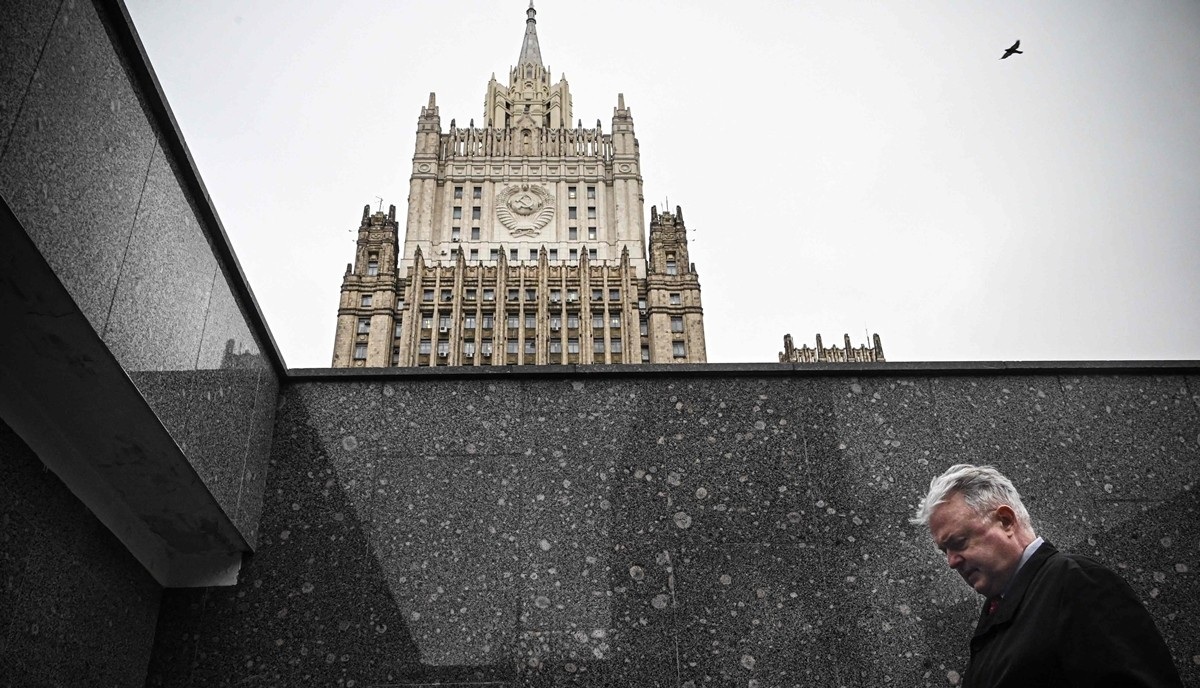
[
  {"x": 425, "y": 348},
  {"x": 477, "y": 193},
  {"x": 515, "y": 254},
  {"x": 489, "y": 294},
  {"x": 572, "y": 235},
  {"x": 514, "y": 294},
  {"x": 488, "y": 321}
]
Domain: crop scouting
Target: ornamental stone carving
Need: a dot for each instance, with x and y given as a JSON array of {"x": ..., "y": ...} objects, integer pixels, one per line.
[{"x": 524, "y": 209}]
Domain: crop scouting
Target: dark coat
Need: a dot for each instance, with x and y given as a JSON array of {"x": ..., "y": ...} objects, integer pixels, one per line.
[{"x": 1068, "y": 621}]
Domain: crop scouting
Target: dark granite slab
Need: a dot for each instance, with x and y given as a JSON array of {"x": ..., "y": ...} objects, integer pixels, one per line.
[
  {"x": 24, "y": 29},
  {"x": 77, "y": 160}
]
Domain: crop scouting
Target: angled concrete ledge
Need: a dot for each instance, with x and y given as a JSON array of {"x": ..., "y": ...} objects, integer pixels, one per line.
[
  {"x": 941, "y": 368},
  {"x": 66, "y": 395}
]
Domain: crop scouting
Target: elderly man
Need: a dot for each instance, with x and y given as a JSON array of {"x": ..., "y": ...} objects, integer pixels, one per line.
[{"x": 1050, "y": 619}]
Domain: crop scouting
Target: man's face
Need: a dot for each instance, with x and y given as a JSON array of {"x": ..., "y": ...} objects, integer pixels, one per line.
[{"x": 983, "y": 548}]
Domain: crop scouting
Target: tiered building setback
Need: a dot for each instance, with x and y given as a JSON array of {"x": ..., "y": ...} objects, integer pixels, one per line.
[{"x": 524, "y": 244}]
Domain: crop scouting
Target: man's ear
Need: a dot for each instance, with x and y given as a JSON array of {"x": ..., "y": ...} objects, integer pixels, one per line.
[{"x": 1006, "y": 516}]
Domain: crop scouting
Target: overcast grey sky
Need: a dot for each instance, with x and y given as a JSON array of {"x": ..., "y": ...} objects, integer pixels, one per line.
[{"x": 843, "y": 166}]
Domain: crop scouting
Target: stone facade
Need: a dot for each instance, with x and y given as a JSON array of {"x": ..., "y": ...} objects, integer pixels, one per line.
[
  {"x": 832, "y": 354},
  {"x": 524, "y": 244}
]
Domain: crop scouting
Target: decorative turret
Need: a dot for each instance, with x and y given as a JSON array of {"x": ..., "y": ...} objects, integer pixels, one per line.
[{"x": 529, "y": 101}]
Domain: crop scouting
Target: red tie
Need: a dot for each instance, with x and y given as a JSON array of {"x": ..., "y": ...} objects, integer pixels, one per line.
[{"x": 993, "y": 605}]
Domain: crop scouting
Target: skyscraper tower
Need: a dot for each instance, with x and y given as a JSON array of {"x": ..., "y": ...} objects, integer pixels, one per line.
[{"x": 524, "y": 243}]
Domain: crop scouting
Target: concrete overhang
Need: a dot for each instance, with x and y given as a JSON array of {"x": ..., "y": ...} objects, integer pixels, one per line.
[{"x": 69, "y": 399}]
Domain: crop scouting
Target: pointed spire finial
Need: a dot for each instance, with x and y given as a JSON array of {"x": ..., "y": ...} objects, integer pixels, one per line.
[{"x": 531, "y": 53}]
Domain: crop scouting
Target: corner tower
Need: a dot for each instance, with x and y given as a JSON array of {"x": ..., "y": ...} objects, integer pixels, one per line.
[{"x": 524, "y": 243}]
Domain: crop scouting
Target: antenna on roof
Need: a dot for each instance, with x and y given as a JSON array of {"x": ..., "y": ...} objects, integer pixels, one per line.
[{"x": 380, "y": 204}]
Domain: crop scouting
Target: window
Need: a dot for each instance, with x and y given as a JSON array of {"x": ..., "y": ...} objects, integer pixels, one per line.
[
  {"x": 512, "y": 254},
  {"x": 645, "y": 354},
  {"x": 573, "y": 254},
  {"x": 476, "y": 213},
  {"x": 511, "y": 346},
  {"x": 360, "y": 352},
  {"x": 444, "y": 323},
  {"x": 573, "y": 321},
  {"x": 615, "y": 345},
  {"x": 489, "y": 294},
  {"x": 571, "y": 192},
  {"x": 592, "y": 255},
  {"x": 555, "y": 295},
  {"x": 372, "y": 268},
  {"x": 531, "y": 294},
  {"x": 572, "y": 213},
  {"x": 530, "y": 346},
  {"x": 553, "y": 254},
  {"x": 678, "y": 349},
  {"x": 555, "y": 346},
  {"x": 426, "y": 294},
  {"x": 474, "y": 254},
  {"x": 597, "y": 294},
  {"x": 469, "y": 294},
  {"x": 555, "y": 323},
  {"x": 676, "y": 324},
  {"x": 425, "y": 347},
  {"x": 364, "y": 325},
  {"x": 643, "y": 328},
  {"x": 573, "y": 233},
  {"x": 533, "y": 254},
  {"x": 591, "y": 193},
  {"x": 494, "y": 254},
  {"x": 592, "y": 213},
  {"x": 592, "y": 233},
  {"x": 572, "y": 295},
  {"x": 488, "y": 321},
  {"x": 614, "y": 294},
  {"x": 485, "y": 347},
  {"x": 477, "y": 192},
  {"x": 572, "y": 346},
  {"x": 598, "y": 346},
  {"x": 530, "y": 322},
  {"x": 469, "y": 322},
  {"x": 395, "y": 355},
  {"x": 614, "y": 322},
  {"x": 469, "y": 349},
  {"x": 426, "y": 322},
  {"x": 642, "y": 305},
  {"x": 672, "y": 268},
  {"x": 443, "y": 349},
  {"x": 513, "y": 293},
  {"x": 365, "y": 301},
  {"x": 399, "y": 326},
  {"x": 597, "y": 322},
  {"x": 457, "y": 193},
  {"x": 457, "y": 213},
  {"x": 474, "y": 234},
  {"x": 455, "y": 233},
  {"x": 676, "y": 299},
  {"x": 513, "y": 321},
  {"x": 447, "y": 295}
]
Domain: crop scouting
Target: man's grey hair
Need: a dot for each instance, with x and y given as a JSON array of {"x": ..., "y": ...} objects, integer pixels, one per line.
[{"x": 983, "y": 488}]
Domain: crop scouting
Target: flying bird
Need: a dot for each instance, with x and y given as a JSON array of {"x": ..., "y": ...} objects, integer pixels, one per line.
[{"x": 1008, "y": 53}]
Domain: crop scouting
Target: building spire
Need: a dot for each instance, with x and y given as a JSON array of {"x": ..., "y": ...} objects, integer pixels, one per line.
[{"x": 531, "y": 53}]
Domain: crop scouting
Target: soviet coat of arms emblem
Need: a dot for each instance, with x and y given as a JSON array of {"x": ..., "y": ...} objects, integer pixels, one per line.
[{"x": 524, "y": 209}]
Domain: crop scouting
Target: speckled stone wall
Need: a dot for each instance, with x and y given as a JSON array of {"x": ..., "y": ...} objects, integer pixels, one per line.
[
  {"x": 76, "y": 609},
  {"x": 675, "y": 529},
  {"x": 97, "y": 180}
]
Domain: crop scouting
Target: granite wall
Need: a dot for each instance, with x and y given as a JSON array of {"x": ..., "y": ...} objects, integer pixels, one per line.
[
  {"x": 686, "y": 529},
  {"x": 76, "y": 609},
  {"x": 94, "y": 169}
]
